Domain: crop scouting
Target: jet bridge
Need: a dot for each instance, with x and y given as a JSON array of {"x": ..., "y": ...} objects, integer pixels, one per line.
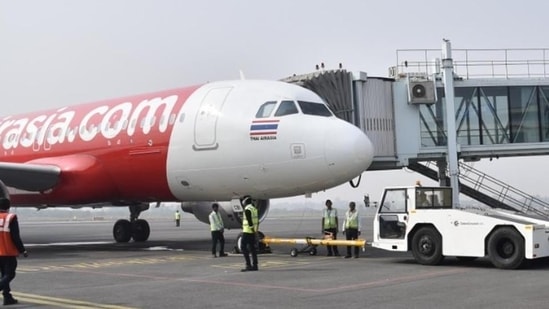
[{"x": 500, "y": 103}]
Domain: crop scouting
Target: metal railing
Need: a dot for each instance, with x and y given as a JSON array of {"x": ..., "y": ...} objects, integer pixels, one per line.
[
  {"x": 488, "y": 190},
  {"x": 502, "y": 192},
  {"x": 475, "y": 63}
]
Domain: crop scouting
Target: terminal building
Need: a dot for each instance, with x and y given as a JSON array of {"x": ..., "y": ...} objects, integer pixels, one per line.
[{"x": 500, "y": 109}]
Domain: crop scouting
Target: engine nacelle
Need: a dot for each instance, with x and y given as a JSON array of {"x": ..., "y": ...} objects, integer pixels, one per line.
[{"x": 231, "y": 212}]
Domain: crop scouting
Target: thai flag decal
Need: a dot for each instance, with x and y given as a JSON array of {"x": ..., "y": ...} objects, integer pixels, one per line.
[{"x": 264, "y": 129}]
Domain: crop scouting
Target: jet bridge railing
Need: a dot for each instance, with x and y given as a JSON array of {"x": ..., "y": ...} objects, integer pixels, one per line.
[
  {"x": 502, "y": 192},
  {"x": 476, "y": 63},
  {"x": 489, "y": 191}
]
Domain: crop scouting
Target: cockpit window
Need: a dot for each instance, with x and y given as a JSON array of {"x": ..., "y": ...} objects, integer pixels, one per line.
[
  {"x": 286, "y": 108},
  {"x": 318, "y": 109},
  {"x": 265, "y": 110}
]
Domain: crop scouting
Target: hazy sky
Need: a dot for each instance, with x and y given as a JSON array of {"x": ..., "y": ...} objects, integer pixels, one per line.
[{"x": 56, "y": 53}]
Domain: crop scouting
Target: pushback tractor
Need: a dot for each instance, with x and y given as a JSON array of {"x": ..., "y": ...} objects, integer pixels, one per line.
[{"x": 424, "y": 221}]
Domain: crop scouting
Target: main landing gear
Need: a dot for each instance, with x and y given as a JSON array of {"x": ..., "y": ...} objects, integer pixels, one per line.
[{"x": 135, "y": 228}]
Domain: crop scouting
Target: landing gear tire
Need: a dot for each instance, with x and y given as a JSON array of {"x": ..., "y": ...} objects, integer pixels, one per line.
[
  {"x": 140, "y": 230},
  {"x": 293, "y": 252},
  {"x": 122, "y": 230},
  {"x": 261, "y": 247},
  {"x": 312, "y": 251},
  {"x": 506, "y": 248},
  {"x": 238, "y": 244},
  {"x": 427, "y": 246}
]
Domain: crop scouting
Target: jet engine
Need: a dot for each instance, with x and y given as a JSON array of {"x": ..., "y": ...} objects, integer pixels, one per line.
[{"x": 231, "y": 211}]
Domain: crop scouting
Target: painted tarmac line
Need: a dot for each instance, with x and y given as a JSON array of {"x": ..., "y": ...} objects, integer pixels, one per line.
[
  {"x": 212, "y": 281},
  {"x": 354, "y": 286},
  {"x": 62, "y": 302},
  {"x": 398, "y": 280},
  {"x": 105, "y": 263}
]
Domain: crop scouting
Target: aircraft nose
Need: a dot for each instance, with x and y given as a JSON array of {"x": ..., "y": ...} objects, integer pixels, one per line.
[{"x": 348, "y": 150}]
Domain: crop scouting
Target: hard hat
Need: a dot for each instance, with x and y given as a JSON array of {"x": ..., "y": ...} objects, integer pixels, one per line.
[{"x": 246, "y": 200}]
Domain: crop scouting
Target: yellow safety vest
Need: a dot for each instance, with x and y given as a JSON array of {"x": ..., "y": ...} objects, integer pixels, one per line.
[
  {"x": 216, "y": 224},
  {"x": 330, "y": 216},
  {"x": 177, "y": 215},
  {"x": 351, "y": 221},
  {"x": 255, "y": 221}
]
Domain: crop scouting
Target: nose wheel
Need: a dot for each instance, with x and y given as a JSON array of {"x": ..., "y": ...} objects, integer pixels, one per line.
[{"x": 261, "y": 247}]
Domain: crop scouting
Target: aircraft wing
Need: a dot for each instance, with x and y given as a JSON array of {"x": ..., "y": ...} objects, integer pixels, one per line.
[{"x": 29, "y": 177}]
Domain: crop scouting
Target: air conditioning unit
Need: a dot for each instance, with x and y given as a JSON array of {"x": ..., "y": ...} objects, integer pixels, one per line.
[{"x": 421, "y": 92}]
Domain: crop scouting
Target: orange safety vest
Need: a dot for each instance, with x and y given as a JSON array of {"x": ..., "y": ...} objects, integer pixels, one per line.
[{"x": 7, "y": 247}]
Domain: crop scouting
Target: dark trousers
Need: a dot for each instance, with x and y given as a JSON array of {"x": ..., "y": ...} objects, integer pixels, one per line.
[
  {"x": 333, "y": 231},
  {"x": 217, "y": 237},
  {"x": 8, "y": 264},
  {"x": 248, "y": 246},
  {"x": 177, "y": 222},
  {"x": 351, "y": 234}
]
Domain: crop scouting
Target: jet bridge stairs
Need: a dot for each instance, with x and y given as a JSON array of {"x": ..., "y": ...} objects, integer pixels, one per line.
[{"x": 489, "y": 191}]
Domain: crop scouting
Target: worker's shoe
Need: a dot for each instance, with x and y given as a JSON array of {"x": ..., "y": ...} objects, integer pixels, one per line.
[
  {"x": 248, "y": 268},
  {"x": 223, "y": 254},
  {"x": 355, "y": 257},
  {"x": 214, "y": 256},
  {"x": 9, "y": 301},
  {"x": 347, "y": 256},
  {"x": 329, "y": 254},
  {"x": 254, "y": 268}
]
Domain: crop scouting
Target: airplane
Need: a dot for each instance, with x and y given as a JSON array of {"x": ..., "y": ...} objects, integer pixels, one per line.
[{"x": 212, "y": 142}]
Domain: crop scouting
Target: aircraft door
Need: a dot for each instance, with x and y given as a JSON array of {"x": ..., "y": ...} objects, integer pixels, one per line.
[
  {"x": 392, "y": 216},
  {"x": 205, "y": 125}
]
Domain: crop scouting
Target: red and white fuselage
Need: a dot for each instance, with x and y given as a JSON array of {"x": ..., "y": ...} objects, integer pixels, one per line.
[{"x": 217, "y": 141}]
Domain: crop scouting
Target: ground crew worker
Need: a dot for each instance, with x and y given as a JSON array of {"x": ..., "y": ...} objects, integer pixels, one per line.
[
  {"x": 10, "y": 247},
  {"x": 351, "y": 227},
  {"x": 217, "y": 229},
  {"x": 177, "y": 218},
  {"x": 329, "y": 226},
  {"x": 250, "y": 229}
]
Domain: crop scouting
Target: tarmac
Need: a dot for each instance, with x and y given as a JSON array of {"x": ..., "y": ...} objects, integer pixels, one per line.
[{"x": 78, "y": 265}]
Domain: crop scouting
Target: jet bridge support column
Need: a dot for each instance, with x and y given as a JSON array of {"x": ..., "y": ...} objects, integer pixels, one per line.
[
  {"x": 442, "y": 166},
  {"x": 452, "y": 156}
]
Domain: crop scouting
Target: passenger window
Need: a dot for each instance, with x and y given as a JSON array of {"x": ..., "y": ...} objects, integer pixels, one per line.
[
  {"x": 286, "y": 108},
  {"x": 266, "y": 109},
  {"x": 317, "y": 109}
]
